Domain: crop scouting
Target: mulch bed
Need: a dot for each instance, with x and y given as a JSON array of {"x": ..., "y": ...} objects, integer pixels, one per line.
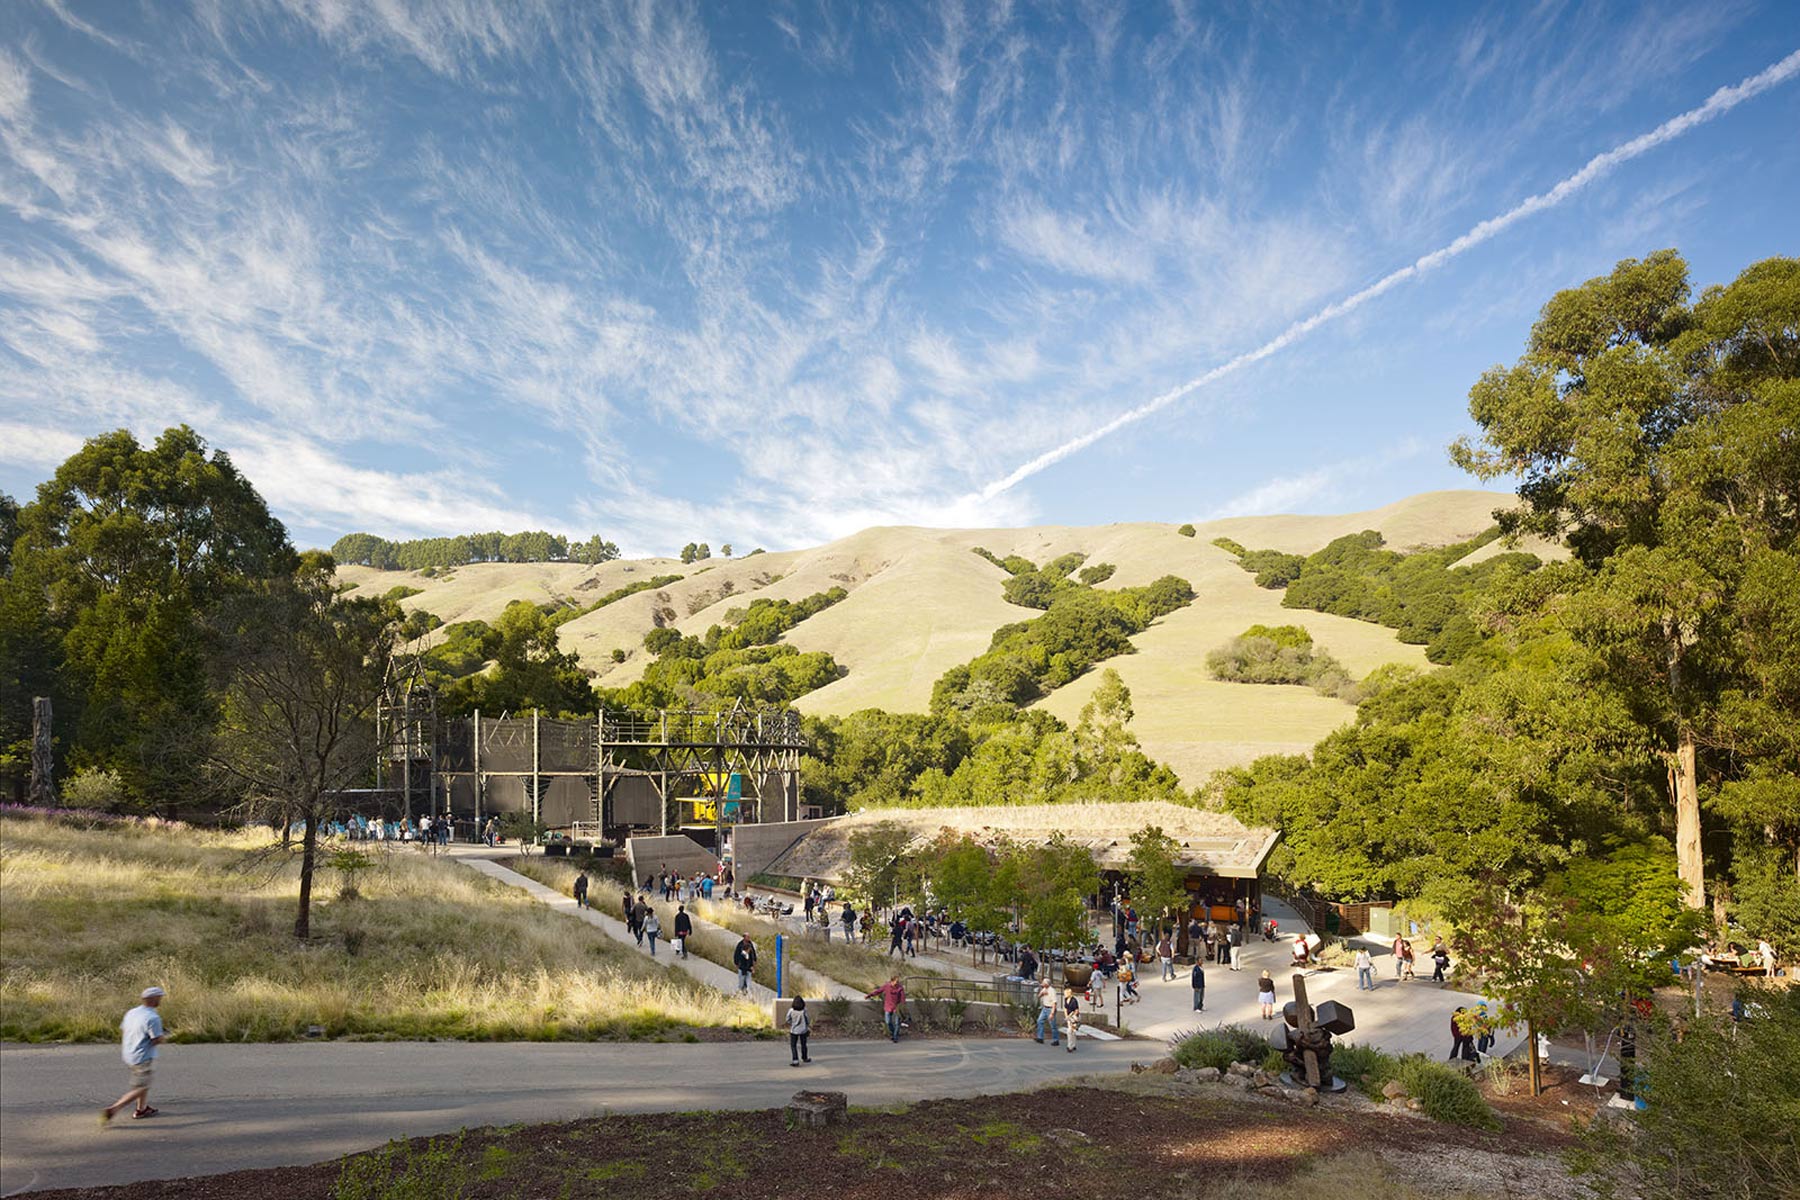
[{"x": 1077, "y": 1141}]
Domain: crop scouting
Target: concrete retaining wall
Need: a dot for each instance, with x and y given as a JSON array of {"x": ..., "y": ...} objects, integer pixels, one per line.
[
  {"x": 933, "y": 1010},
  {"x": 754, "y": 847},
  {"x": 648, "y": 855}
]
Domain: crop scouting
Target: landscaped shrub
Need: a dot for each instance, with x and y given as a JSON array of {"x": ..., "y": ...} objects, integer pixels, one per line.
[
  {"x": 1445, "y": 1093},
  {"x": 1363, "y": 1067},
  {"x": 1218, "y": 1047}
]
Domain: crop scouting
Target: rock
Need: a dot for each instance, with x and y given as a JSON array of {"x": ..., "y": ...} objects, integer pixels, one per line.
[
  {"x": 1236, "y": 1081},
  {"x": 1067, "y": 1137},
  {"x": 1301, "y": 1096},
  {"x": 1262, "y": 1079},
  {"x": 1244, "y": 1069},
  {"x": 1163, "y": 1066},
  {"x": 1207, "y": 1074},
  {"x": 1393, "y": 1089},
  {"x": 1187, "y": 1075},
  {"x": 1137, "y": 1068},
  {"x": 1415, "y": 1106},
  {"x": 818, "y": 1109}
]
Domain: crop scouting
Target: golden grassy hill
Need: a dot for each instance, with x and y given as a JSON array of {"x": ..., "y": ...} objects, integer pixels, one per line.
[{"x": 920, "y": 603}]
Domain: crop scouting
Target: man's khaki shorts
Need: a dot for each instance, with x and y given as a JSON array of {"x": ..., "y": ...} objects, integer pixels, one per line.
[{"x": 140, "y": 1074}]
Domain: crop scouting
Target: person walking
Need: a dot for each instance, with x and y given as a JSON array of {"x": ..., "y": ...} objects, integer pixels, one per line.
[
  {"x": 1235, "y": 936},
  {"x": 1165, "y": 953},
  {"x": 684, "y": 929},
  {"x": 893, "y": 995},
  {"x": 1399, "y": 955},
  {"x": 1265, "y": 995},
  {"x": 1128, "y": 979},
  {"x": 140, "y": 1033},
  {"x": 640, "y": 914},
  {"x": 1462, "y": 1045},
  {"x": 652, "y": 930},
  {"x": 1365, "y": 970},
  {"x": 799, "y": 1027},
  {"x": 1046, "y": 1018},
  {"x": 743, "y": 957},
  {"x": 581, "y": 889},
  {"x": 1071, "y": 1013},
  {"x": 1198, "y": 980},
  {"x": 1440, "y": 960}
]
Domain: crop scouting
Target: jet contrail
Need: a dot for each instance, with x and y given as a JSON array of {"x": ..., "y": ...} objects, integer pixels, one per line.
[{"x": 1717, "y": 104}]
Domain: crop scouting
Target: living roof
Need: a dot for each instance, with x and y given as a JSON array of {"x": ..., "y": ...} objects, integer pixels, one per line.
[{"x": 1210, "y": 843}]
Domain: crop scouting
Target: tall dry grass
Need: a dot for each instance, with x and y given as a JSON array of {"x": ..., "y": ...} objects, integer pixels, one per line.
[{"x": 429, "y": 949}]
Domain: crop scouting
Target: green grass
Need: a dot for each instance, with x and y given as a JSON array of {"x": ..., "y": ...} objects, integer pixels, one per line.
[{"x": 88, "y": 918}]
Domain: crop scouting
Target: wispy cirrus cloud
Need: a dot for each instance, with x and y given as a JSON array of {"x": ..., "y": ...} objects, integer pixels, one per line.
[{"x": 678, "y": 271}]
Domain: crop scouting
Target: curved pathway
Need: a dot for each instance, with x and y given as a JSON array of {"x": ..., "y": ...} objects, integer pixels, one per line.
[{"x": 226, "y": 1108}]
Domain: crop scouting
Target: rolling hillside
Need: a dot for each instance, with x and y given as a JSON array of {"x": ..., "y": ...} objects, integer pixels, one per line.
[{"x": 921, "y": 603}]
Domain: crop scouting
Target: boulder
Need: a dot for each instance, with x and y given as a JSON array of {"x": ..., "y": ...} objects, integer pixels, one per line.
[
  {"x": 1163, "y": 1066},
  {"x": 1207, "y": 1074},
  {"x": 1262, "y": 1079},
  {"x": 1236, "y": 1081},
  {"x": 1393, "y": 1089},
  {"x": 1301, "y": 1096},
  {"x": 1244, "y": 1069},
  {"x": 1415, "y": 1106},
  {"x": 818, "y": 1109}
]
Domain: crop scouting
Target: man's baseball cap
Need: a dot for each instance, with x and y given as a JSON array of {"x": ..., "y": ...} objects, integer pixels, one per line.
[{"x": 151, "y": 992}]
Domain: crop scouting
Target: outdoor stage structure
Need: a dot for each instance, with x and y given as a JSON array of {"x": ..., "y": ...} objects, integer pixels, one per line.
[{"x": 671, "y": 770}]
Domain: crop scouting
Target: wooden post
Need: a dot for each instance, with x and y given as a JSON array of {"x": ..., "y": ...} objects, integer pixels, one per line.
[
  {"x": 536, "y": 782},
  {"x": 1531, "y": 1049},
  {"x": 43, "y": 758},
  {"x": 478, "y": 774}
]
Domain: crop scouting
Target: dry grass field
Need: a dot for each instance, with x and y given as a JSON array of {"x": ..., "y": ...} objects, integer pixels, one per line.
[
  {"x": 921, "y": 603},
  {"x": 430, "y": 949}
]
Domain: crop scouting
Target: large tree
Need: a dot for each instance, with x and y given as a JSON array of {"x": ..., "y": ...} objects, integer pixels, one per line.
[
  {"x": 116, "y": 562},
  {"x": 300, "y": 672},
  {"x": 1657, "y": 439}
]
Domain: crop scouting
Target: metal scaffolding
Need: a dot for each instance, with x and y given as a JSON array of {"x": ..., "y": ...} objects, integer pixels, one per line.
[{"x": 623, "y": 772}]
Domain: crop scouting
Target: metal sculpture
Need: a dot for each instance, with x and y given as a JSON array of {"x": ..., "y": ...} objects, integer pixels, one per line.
[{"x": 1303, "y": 1039}]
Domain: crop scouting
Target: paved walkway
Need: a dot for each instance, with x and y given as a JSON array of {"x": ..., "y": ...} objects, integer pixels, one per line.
[
  {"x": 724, "y": 978},
  {"x": 227, "y": 1108}
]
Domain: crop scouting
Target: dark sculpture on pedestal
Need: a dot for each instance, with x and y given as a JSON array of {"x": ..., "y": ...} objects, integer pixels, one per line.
[{"x": 1304, "y": 1040}]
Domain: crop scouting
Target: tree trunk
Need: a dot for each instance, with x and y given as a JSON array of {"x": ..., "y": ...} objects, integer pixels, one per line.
[
  {"x": 309, "y": 845},
  {"x": 1531, "y": 1057},
  {"x": 1684, "y": 790}
]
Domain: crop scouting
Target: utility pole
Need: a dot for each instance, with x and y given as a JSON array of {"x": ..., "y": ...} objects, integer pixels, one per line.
[{"x": 478, "y": 774}]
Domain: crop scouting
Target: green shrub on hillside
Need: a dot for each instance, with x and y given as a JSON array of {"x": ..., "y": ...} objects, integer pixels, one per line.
[
  {"x": 1032, "y": 658},
  {"x": 1235, "y": 549},
  {"x": 1096, "y": 574},
  {"x": 1419, "y": 595},
  {"x": 1187, "y": 531},
  {"x": 1283, "y": 654}
]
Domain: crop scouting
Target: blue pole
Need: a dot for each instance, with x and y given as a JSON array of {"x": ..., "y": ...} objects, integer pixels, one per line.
[{"x": 778, "y": 948}]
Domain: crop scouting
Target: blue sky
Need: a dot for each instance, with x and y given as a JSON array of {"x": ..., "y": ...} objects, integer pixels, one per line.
[{"x": 768, "y": 274}]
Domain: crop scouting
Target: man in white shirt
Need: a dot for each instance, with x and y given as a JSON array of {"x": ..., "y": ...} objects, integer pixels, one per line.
[
  {"x": 141, "y": 1033},
  {"x": 1766, "y": 952}
]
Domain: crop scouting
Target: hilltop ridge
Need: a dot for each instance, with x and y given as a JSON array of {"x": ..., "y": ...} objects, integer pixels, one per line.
[{"x": 920, "y": 602}]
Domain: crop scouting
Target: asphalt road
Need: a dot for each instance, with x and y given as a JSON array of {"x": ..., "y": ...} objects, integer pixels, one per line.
[{"x": 226, "y": 1108}]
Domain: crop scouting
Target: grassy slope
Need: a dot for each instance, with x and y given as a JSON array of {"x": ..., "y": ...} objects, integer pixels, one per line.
[
  {"x": 88, "y": 918},
  {"x": 920, "y": 603}
]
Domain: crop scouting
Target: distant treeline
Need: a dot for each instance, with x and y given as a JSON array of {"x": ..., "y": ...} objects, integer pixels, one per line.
[{"x": 533, "y": 545}]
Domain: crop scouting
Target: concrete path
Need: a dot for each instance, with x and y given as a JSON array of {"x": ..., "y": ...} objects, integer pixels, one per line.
[
  {"x": 226, "y": 1108},
  {"x": 706, "y": 971}
]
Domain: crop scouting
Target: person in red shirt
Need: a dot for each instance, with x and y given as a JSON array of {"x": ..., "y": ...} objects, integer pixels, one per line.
[{"x": 893, "y": 995}]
